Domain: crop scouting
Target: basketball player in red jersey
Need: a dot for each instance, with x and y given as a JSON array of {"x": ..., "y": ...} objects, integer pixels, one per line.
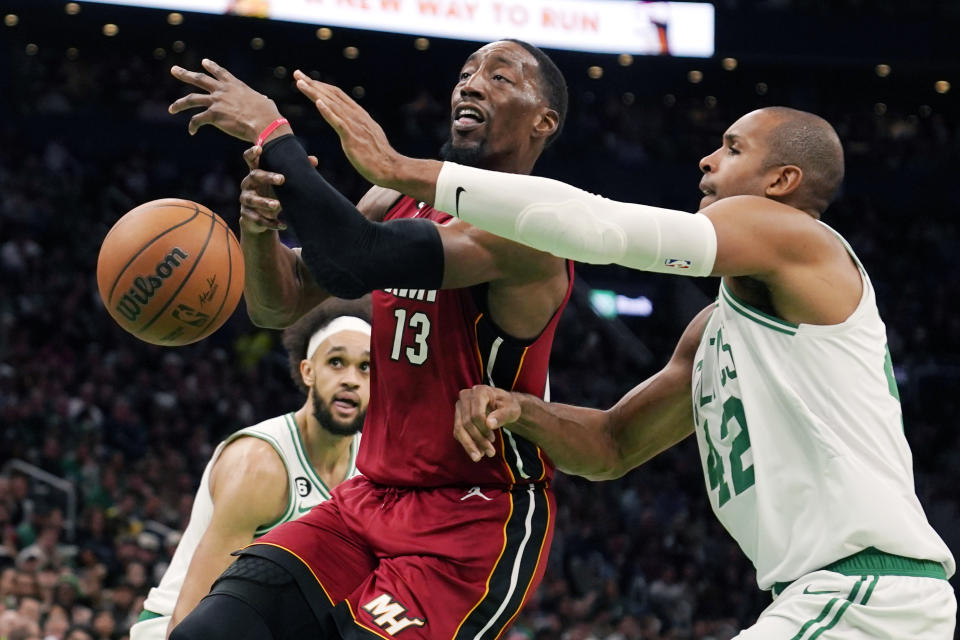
[{"x": 428, "y": 544}]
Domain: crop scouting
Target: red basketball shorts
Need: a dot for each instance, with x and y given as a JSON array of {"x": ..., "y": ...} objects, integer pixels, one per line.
[{"x": 431, "y": 563}]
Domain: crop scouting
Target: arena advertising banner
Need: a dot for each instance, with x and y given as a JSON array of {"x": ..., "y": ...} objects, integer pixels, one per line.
[{"x": 604, "y": 26}]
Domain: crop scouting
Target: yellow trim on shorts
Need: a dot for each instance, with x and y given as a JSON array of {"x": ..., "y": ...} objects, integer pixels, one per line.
[{"x": 305, "y": 563}]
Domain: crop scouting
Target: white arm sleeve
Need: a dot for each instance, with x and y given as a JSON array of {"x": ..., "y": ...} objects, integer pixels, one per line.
[{"x": 555, "y": 217}]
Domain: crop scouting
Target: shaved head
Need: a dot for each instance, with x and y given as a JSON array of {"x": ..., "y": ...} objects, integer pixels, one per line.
[
  {"x": 811, "y": 143},
  {"x": 552, "y": 84}
]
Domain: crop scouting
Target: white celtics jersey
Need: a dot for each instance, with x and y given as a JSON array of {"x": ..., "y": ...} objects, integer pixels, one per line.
[
  {"x": 305, "y": 490},
  {"x": 801, "y": 439}
]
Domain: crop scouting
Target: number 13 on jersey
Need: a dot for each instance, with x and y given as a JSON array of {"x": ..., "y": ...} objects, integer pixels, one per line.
[{"x": 410, "y": 336}]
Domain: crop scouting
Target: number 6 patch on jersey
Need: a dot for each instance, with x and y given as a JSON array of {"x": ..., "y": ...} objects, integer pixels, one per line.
[{"x": 303, "y": 486}]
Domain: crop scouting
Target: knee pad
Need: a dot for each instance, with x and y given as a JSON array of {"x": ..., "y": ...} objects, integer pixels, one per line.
[
  {"x": 258, "y": 570},
  {"x": 222, "y": 617}
]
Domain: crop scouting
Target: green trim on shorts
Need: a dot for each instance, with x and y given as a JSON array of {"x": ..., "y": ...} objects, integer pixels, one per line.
[
  {"x": 148, "y": 615},
  {"x": 873, "y": 562},
  {"x": 851, "y": 599},
  {"x": 873, "y": 584},
  {"x": 810, "y": 623}
]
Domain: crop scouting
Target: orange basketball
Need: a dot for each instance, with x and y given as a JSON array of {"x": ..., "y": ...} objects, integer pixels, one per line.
[{"x": 170, "y": 272}]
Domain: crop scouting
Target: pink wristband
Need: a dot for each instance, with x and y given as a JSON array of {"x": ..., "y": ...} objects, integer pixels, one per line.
[{"x": 269, "y": 129}]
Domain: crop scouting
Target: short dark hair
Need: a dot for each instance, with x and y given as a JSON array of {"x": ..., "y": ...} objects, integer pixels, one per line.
[
  {"x": 554, "y": 85},
  {"x": 297, "y": 336},
  {"x": 78, "y": 628},
  {"x": 811, "y": 143}
]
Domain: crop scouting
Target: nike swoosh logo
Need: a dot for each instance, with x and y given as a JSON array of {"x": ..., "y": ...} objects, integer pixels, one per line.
[
  {"x": 303, "y": 509},
  {"x": 809, "y": 592},
  {"x": 456, "y": 202}
]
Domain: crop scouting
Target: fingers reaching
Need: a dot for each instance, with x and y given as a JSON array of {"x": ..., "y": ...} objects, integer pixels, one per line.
[
  {"x": 471, "y": 427},
  {"x": 252, "y": 157},
  {"x": 362, "y": 139},
  {"x": 260, "y": 181},
  {"x": 259, "y": 206},
  {"x": 204, "y": 117},
  {"x": 194, "y": 100},
  {"x": 330, "y": 101},
  {"x": 323, "y": 95},
  {"x": 191, "y": 101},
  {"x": 228, "y": 104},
  {"x": 256, "y": 214},
  {"x": 503, "y": 415},
  {"x": 216, "y": 70},
  {"x": 197, "y": 79},
  {"x": 464, "y": 437},
  {"x": 479, "y": 404}
]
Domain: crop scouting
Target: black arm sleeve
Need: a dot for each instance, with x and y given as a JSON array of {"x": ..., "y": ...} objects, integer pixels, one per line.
[{"x": 348, "y": 254}]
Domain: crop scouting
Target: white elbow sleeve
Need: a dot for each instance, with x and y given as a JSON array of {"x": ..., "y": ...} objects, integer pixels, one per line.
[{"x": 568, "y": 222}]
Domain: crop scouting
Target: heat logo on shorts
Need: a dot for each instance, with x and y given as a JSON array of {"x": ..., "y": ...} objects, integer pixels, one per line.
[{"x": 387, "y": 614}]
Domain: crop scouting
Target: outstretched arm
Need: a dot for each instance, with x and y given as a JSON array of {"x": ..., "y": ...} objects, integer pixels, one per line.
[
  {"x": 228, "y": 104},
  {"x": 596, "y": 444},
  {"x": 351, "y": 256},
  {"x": 544, "y": 214},
  {"x": 805, "y": 268},
  {"x": 279, "y": 286},
  {"x": 345, "y": 253},
  {"x": 278, "y": 289},
  {"x": 248, "y": 485}
]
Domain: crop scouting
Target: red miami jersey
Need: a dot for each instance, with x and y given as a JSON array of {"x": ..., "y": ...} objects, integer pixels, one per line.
[{"x": 425, "y": 347}]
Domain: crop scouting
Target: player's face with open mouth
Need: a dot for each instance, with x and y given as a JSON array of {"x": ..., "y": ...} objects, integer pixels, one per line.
[
  {"x": 341, "y": 385},
  {"x": 740, "y": 166},
  {"x": 495, "y": 103}
]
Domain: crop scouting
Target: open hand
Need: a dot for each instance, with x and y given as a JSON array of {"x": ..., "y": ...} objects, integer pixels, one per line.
[
  {"x": 363, "y": 140},
  {"x": 228, "y": 104},
  {"x": 480, "y": 411}
]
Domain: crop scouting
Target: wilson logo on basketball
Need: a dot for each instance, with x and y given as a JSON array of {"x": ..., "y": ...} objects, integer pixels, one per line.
[{"x": 145, "y": 287}]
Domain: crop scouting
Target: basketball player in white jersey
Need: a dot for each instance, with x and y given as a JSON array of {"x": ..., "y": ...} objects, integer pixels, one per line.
[
  {"x": 794, "y": 403},
  {"x": 277, "y": 470}
]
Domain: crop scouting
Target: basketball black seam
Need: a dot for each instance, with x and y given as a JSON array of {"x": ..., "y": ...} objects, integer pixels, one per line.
[
  {"x": 197, "y": 207},
  {"x": 226, "y": 293},
  {"x": 144, "y": 248},
  {"x": 156, "y": 206},
  {"x": 185, "y": 279}
]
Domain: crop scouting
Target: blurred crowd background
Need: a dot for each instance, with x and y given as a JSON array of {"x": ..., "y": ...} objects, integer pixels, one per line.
[{"x": 103, "y": 438}]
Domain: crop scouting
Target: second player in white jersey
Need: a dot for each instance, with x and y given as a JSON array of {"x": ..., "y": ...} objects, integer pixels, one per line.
[
  {"x": 794, "y": 403},
  {"x": 275, "y": 471},
  {"x": 802, "y": 443},
  {"x": 305, "y": 491}
]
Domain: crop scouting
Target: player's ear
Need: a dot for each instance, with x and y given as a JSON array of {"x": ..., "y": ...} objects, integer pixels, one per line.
[
  {"x": 548, "y": 121},
  {"x": 306, "y": 372},
  {"x": 785, "y": 180}
]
